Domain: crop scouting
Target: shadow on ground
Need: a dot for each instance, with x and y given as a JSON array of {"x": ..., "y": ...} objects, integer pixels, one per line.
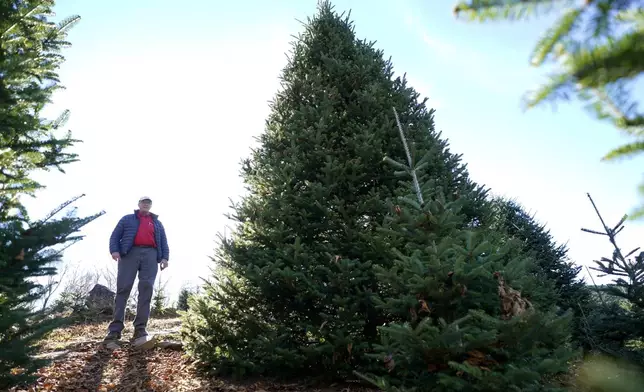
[
  {"x": 89, "y": 376},
  {"x": 136, "y": 375},
  {"x": 105, "y": 369}
]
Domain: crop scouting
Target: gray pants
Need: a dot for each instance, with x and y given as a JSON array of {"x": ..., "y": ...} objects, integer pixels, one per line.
[{"x": 144, "y": 262}]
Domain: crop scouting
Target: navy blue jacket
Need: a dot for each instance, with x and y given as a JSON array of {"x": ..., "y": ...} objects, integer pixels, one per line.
[{"x": 122, "y": 238}]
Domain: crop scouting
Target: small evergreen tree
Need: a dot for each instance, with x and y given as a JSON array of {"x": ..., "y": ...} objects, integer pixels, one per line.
[
  {"x": 552, "y": 262},
  {"x": 159, "y": 299},
  {"x": 295, "y": 282},
  {"x": 158, "y": 303},
  {"x": 182, "y": 301},
  {"x": 460, "y": 323},
  {"x": 616, "y": 324},
  {"x": 29, "y": 59},
  {"x": 599, "y": 50},
  {"x": 28, "y": 251}
]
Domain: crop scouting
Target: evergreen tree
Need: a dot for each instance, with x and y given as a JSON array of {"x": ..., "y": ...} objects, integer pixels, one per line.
[
  {"x": 463, "y": 321},
  {"x": 616, "y": 323},
  {"x": 182, "y": 301},
  {"x": 29, "y": 60},
  {"x": 552, "y": 262},
  {"x": 599, "y": 50},
  {"x": 295, "y": 282},
  {"x": 159, "y": 299}
]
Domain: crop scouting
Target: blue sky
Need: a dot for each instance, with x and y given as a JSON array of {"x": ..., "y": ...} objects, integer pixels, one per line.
[{"x": 167, "y": 99}]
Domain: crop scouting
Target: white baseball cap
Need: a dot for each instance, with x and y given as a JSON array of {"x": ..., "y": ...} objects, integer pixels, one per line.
[{"x": 145, "y": 198}]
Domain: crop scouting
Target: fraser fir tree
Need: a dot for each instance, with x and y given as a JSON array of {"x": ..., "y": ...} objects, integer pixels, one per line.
[
  {"x": 462, "y": 319},
  {"x": 598, "y": 48},
  {"x": 29, "y": 59},
  {"x": 294, "y": 285}
]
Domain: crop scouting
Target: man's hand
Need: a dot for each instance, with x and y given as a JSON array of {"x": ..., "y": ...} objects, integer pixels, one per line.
[
  {"x": 164, "y": 264},
  {"x": 116, "y": 256}
]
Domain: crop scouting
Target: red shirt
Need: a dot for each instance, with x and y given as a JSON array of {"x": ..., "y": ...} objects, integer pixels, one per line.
[{"x": 145, "y": 234}]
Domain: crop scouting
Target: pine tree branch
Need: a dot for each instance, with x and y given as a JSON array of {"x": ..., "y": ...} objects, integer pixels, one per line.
[
  {"x": 554, "y": 35},
  {"x": 60, "y": 208},
  {"x": 484, "y": 10},
  {"x": 600, "y": 49},
  {"x": 610, "y": 233},
  {"x": 419, "y": 194},
  {"x": 22, "y": 19},
  {"x": 601, "y": 65},
  {"x": 561, "y": 85},
  {"x": 66, "y": 24},
  {"x": 625, "y": 151},
  {"x": 601, "y": 297},
  {"x": 593, "y": 231},
  {"x": 620, "y": 118}
]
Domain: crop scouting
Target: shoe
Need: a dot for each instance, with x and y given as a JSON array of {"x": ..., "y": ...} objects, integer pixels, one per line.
[
  {"x": 112, "y": 336},
  {"x": 139, "y": 333},
  {"x": 144, "y": 342}
]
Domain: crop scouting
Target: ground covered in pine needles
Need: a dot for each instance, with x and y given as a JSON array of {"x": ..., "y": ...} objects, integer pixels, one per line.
[{"x": 81, "y": 363}]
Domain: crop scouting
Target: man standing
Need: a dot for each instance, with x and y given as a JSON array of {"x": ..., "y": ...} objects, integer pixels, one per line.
[{"x": 139, "y": 245}]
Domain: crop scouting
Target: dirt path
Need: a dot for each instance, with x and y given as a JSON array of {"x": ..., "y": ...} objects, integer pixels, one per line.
[{"x": 81, "y": 363}]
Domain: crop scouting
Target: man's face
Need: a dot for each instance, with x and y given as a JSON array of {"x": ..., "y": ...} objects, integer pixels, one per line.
[{"x": 145, "y": 205}]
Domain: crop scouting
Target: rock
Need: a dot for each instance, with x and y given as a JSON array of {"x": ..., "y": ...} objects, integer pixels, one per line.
[
  {"x": 170, "y": 345},
  {"x": 100, "y": 299}
]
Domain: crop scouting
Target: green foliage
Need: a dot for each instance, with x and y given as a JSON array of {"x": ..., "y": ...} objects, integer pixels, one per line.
[
  {"x": 182, "y": 301},
  {"x": 29, "y": 59},
  {"x": 617, "y": 320},
  {"x": 159, "y": 300},
  {"x": 71, "y": 302},
  {"x": 27, "y": 254},
  {"x": 158, "y": 303},
  {"x": 295, "y": 285},
  {"x": 552, "y": 263},
  {"x": 456, "y": 322},
  {"x": 613, "y": 326},
  {"x": 599, "y": 50},
  {"x": 601, "y": 373}
]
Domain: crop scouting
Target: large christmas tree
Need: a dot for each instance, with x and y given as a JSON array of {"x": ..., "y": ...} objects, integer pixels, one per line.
[
  {"x": 294, "y": 284},
  {"x": 29, "y": 249},
  {"x": 470, "y": 314}
]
